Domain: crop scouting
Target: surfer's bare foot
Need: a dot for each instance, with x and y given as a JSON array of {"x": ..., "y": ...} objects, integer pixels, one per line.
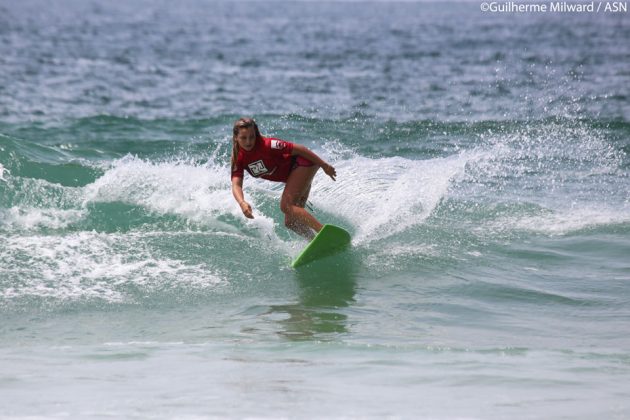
[{"x": 300, "y": 228}]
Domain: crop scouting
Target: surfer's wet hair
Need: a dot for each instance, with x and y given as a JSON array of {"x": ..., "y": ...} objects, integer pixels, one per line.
[{"x": 238, "y": 125}]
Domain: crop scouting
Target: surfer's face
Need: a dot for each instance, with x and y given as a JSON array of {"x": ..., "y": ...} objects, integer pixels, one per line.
[{"x": 246, "y": 138}]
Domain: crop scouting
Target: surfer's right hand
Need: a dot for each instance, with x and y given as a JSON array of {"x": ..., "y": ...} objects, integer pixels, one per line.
[{"x": 247, "y": 209}]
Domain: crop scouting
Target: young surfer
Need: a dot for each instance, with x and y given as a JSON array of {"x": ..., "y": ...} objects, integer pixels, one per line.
[{"x": 281, "y": 161}]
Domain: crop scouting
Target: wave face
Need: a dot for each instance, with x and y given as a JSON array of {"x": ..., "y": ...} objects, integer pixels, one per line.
[{"x": 68, "y": 214}]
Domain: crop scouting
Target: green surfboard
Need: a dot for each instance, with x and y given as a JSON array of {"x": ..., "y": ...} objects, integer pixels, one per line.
[{"x": 330, "y": 240}]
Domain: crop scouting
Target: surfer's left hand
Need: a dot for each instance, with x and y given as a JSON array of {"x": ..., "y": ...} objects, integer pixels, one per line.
[{"x": 330, "y": 171}]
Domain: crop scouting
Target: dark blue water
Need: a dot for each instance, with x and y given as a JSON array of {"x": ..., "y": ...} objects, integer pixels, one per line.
[{"x": 483, "y": 173}]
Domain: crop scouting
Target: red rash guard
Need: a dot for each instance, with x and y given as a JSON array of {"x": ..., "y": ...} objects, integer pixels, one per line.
[{"x": 269, "y": 159}]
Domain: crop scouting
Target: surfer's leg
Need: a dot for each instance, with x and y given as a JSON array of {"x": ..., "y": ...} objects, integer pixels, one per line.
[
  {"x": 294, "y": 199},
  {"x": 304, "y": 198}
]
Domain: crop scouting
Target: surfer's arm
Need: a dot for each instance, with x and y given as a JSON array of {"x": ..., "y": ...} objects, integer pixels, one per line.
[
  {"x": 237, "y": 192},
  {"x": 307, "y": 153}
]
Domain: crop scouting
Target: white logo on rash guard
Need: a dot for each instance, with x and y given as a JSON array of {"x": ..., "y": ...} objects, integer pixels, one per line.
[
  {"x": 258, "y": 168},
  {"x": 278, "y": 144}
]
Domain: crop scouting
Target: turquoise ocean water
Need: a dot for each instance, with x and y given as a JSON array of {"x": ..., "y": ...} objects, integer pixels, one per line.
[{"x": 483, "y": 172}]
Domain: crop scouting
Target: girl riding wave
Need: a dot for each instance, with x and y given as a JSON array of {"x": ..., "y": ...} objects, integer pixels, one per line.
[{"x": 280, "y": 161}]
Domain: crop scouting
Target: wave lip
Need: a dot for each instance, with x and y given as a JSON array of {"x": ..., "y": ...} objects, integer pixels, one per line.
[
  {"x": 169, "y": 187},
  {"x": 385, "y": 196}
]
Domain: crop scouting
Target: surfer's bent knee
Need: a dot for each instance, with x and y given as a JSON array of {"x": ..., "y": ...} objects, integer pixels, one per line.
[{"x": 288, "y": 208}]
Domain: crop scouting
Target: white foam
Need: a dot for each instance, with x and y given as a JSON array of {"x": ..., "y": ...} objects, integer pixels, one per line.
[
  {"x": 550, "y": 165},
  {"x": 176, "y": 188},
  {"x": 560, "y": 177},
  {"x": 3, "y": 170},
  {"x": 379, "y": 197},
  {"x": 382, "y": 197},
  {"x": 564, "y": 221},
  {"x": 198, "y": 193},
  {"x": 31, "y": 218},
  {"x": 93, "y": 265}
]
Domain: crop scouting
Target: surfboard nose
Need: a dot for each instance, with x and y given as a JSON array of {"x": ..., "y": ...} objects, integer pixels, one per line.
[{"x": 330, "y": 240}]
